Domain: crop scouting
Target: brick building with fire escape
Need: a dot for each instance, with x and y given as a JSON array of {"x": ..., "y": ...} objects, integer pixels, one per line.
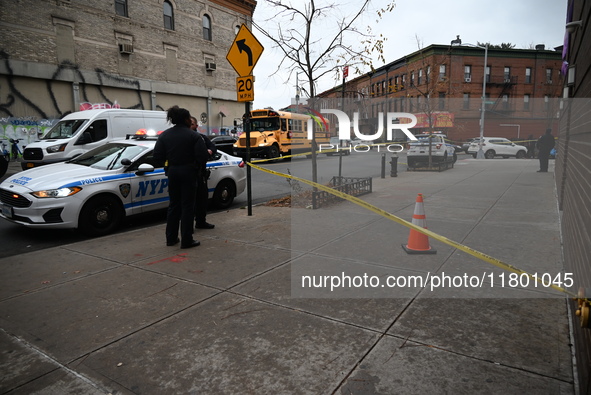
[{"x": 442, "y": 86}]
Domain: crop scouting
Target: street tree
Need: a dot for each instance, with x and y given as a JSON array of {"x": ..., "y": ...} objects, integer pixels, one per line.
[{"x": 317, "y": 40}]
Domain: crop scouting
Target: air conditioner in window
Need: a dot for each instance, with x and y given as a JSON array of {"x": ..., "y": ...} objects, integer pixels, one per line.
[
  {"x": 210, "y": 66},
  {"x": 126, "y": 48},
  {"x": 467, "y": 79},
  {"x": 548, "y": 81},
  {"x": 507, "y": 79}
]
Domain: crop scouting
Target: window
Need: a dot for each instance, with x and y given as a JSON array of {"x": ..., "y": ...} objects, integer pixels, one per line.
[
  {"x": 467, "y": 73},
  {"x": 442, "y": 100},
  {"x": 403, "y": 81},
  {"x": 548, "y": 76},
  {"x": 507, "y": 74},
  {"x": 528, "y": 75},
  {"x": 412, "y": 79},
  {"x": 466, "y": 105},
  {"x": 168, "y": 16},
  {"x": 207, "y": 28},
  {"x": 441, "y": 72},
  {"x": 121, "y": 7},
  {"x": 546, "y": 102},
  {"x": 420, "y": 76},
  {"x": 428, "y": 74},
  {"x": 526, "y": 102},
  {"x": 505, "y": 101},
  {"x": 487, "y": 74}
]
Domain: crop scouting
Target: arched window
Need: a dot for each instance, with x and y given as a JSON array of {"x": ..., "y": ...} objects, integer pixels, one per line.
[
  {"x": 121, "y": 7},
  {"x": 168, "y": 16},
  {"x": 206, "y": 27}
]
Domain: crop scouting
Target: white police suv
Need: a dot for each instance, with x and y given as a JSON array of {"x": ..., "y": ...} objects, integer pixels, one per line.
[
  {"x": 441, "y": 150},
  {"x": 96, "y": 190}
]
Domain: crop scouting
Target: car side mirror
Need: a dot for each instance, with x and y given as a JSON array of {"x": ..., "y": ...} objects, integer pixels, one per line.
[
  {"x": 125, "y": 162},
  {"x": 144, "y": 168}
]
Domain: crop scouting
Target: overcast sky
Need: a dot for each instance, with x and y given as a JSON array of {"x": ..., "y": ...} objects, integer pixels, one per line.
[{"x": 524, "y": 23}]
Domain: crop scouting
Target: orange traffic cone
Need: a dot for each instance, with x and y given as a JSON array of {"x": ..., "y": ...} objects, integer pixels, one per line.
[{"x": 418, "y": 243}]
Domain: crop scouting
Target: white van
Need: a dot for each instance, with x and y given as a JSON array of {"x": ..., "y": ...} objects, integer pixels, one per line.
[{"x": 82, "y": 131}]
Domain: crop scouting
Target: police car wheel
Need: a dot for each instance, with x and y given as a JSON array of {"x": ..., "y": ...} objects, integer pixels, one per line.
[
  {"x": 490, "y": 154},
  {"x": 224, "y": 194},
  {"x": 101, "y": 215}
]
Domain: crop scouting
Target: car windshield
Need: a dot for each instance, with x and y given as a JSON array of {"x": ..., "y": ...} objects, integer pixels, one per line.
[
  {"x": 109, "y": 156},
  {"x": 64, "y": 129},
  {"x": 266, "y": 124}
]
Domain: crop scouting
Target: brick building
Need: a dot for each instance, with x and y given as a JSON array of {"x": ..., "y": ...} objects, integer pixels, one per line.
[
  {"x": 442, "y": 85},
  {"x": 573, "y": 172},
  {"x": 59, "y": 56}
]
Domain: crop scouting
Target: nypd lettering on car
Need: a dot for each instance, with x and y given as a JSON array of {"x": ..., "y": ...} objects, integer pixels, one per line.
[{"x": 96, "y": 190}]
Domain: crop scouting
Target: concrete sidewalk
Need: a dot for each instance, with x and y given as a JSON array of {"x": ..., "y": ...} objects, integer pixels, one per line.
[{"x": 124, "y": 314}]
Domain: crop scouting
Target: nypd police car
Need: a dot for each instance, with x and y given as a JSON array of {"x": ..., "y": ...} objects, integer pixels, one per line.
[
  {"x": 441, "y": 150},
  {"x": 96, "y": 190}
]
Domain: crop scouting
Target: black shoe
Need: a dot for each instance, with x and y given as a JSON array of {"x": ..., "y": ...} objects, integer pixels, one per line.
[
  {"x": 192, "y": 244},
  {"x": 172, "y": 243},
  {"x": 204, "y": 225}
]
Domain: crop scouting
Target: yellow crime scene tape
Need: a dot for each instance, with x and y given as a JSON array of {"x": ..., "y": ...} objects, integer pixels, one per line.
[{"x": 480, "y": 255}]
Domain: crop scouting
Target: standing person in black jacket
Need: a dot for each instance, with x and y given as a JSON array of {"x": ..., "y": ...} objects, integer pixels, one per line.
[
  {"x": 202, "y": 195},
  {"x": 545, "y": 145},
  {"x": 184, "y": 151}
]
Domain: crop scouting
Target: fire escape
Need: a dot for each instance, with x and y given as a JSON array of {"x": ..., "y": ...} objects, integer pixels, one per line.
[{"x": 503, "y": 105}]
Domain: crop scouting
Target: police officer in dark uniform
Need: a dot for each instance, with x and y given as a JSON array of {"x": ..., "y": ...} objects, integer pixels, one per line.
[
  {"x": 202, "y": 195},
  {"x": 184, "y": 151}
]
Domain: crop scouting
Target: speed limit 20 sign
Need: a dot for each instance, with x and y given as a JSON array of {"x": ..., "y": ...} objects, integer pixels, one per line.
[{"x": 245, "y": 88}]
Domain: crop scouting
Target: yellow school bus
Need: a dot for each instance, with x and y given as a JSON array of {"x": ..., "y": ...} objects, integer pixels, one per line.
[{"x": 279, "y": 133}]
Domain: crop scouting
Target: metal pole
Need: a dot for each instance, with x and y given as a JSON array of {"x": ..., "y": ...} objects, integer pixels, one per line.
[
  {"x": 480, "y": 154},
  {"x": 343, "y": 109},
  {"x": 248, "y": 169}
]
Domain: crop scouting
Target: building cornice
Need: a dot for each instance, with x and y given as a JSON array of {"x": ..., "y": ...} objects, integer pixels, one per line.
[{"x": 245, "y": 7}]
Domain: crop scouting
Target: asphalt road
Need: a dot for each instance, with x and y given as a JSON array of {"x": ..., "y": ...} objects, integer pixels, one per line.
[{"x": 265, "y": 186}]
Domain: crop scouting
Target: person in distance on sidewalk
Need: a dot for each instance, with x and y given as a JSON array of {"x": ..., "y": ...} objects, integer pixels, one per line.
[
  {"x": 545, "y": 145},
  {"x": 181, "y": 148},
  {"x": 202, "y": 176}
]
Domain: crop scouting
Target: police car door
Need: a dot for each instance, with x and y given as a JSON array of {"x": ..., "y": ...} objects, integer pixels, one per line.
[{"x": 148, "y": 191}]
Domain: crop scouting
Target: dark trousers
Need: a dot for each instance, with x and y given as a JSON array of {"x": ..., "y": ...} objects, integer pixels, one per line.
[
  {"x": 201, "y": 199},
  {"x": 181, "y": 190},
  {"x": 544, "y": 156}
]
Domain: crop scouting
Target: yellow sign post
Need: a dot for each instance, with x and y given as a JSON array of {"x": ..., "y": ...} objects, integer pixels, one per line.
[
  {"x": 244, "y": 52},
  {"x": 245, "y": 88},
  {"x": 243, "y": 55}
]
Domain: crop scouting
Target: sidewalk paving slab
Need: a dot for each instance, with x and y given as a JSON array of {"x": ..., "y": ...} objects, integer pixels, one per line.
[{"x": 124, "y": 314}]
